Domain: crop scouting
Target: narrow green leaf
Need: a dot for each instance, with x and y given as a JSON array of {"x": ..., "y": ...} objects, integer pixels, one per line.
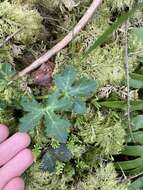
[
  {"x": 48, "y": 163},
  {"x": 137, "y": 184},
  {"x": 135, "y": 105},
  {"x": 114, "y": 104},
  {"x": 135, "y": 171},
  {"x": 137, "y": 123},
  {"x": 84, "y": 87},
  {"x": 136, "y": 80},
  {"x": 138, "y": 137},
  {"x": 133, "y": 150},
  {"x": 138, "y": 32},
  {"x": 112, "y": 28},
  {"x": 57, "y": 127},
  {"x": 131, "y": 164}
]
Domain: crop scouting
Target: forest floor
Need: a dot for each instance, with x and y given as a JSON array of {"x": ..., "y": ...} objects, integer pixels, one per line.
[{"x": 82, "y": 106}]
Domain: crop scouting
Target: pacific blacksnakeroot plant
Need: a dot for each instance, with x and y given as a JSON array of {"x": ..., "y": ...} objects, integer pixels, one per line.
[{"x": 69, "y": 96}]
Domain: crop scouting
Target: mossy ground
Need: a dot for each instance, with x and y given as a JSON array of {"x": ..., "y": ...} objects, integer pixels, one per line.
[{"x": 98, "y": 135}]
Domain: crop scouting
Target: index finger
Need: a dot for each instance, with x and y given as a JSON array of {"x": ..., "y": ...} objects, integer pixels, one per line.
[{"x": 4, "y": 132}]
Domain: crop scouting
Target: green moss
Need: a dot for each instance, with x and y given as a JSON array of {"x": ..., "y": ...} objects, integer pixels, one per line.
[
  {"x": 120, "y": 4},
  {"x": 41, "y": 180},
  {"x": 104, "y": 179},
  {"x": 106, "y": 132},
  {"x": 110, "y": 56},
  {"x": 14, "y": 16}
]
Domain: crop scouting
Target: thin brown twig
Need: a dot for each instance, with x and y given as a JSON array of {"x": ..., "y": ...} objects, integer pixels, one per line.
[
  {"x": 128, "y": 82},
  {"x": 10, "y": 37},
  {"x": 135, "y": 176},
  {"x": 65, "y": 41}
]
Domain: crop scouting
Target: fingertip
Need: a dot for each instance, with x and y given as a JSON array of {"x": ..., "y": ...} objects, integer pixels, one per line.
[
  {"x": 4, "y": 132},
  {"x": 24, "y": 137},
  {"x": 28, "y": 155},
  {"x": 16, "y": 166},
  {"x": 12, "y": 146},
  {"x": 15, "y": 184}
]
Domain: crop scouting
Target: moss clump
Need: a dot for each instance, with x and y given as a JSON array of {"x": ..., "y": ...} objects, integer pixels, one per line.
[
  {"x": 120, "y": 4},
  {"x": 40, "y": 180},
  {"x": 110, "y": 56},
  {"x": 106, "y": 132},
  {"x": 104, "y": 179},
  {"x": 15, "y": 16}
]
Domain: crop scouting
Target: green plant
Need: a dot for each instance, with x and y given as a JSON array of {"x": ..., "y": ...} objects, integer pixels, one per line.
[{"x": 68, "y": 97}]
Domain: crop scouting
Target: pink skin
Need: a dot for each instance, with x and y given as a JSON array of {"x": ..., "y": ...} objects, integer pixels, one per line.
[
  {"x": 16, "y": 184},
  {"x": 3, "y": 133},
  {"x": 14, "y": 159}
]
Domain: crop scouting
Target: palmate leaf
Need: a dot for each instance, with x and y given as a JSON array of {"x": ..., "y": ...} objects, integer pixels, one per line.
[
  {"x": 56, "y": 104},
  {"x": 56, "y": 126},
  {"x": 33, "y": 118},
  {"x": 74, "y": 90},
  {"x": 64, "y": 80},
  {"x": 68, "y": 96},
  {"x": 61, "y": 153},
  {"x": 49, "y": 159},
  {"x": 48, "y": 162},
  {"x": 83, "y": 87},
  {"x": 79, "y": 106}
]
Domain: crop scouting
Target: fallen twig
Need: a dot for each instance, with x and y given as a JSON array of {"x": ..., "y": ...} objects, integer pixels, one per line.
[
  {"x": 128, "y": 82},
  {"x": 10, "y": 37},
  {"x": 65, "y": 41}
]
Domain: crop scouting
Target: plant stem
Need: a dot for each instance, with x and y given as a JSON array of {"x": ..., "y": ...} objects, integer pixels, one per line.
[
  {"x": 65, "y": 41},
  {"x": 128, "y": 82}
]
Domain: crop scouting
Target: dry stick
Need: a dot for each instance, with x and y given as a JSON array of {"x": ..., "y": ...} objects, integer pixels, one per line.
[
  {"x": 128, "y": 81},
  {"x": 65, "y": 41},
  {"x": 10, "y": 37}
]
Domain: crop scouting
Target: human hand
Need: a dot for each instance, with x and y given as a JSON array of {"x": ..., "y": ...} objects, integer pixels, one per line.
[{"x": 15, "y": 158}]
